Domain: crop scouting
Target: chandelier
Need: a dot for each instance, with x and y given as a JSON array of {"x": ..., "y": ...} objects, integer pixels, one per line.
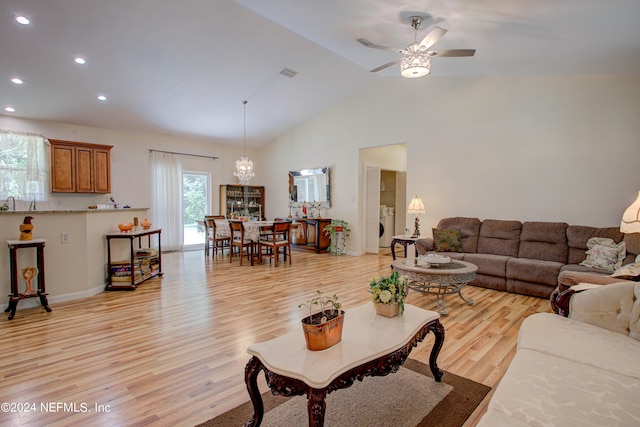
[
  {"x": 244, "y": 166},
  {"x": 415, "y": 65}
]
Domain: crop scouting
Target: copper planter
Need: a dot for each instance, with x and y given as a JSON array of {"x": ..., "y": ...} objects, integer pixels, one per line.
[{"x": 323, "y": 335}]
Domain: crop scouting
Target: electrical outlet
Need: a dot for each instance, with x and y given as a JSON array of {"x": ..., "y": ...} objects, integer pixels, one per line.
[{"x": 64, "y": 238}]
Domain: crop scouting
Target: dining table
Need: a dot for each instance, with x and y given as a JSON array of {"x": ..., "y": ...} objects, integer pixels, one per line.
[{"x": 251, "y": 228}]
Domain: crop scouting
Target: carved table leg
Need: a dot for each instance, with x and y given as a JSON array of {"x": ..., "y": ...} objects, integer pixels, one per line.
[
  {"x": 251, "y": 371},
  {"x": 438, "y": 331},
  {"x": 44, "y": 302},
  {"x": 317, "y": 406},
  {"x": 13, "y": 305}
]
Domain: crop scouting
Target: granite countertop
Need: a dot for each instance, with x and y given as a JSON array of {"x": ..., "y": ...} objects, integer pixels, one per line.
[{"x": 71, "y": 211}]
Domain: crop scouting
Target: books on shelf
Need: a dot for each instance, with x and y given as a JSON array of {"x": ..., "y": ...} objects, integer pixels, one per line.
[{"x": 146, "y": 264}]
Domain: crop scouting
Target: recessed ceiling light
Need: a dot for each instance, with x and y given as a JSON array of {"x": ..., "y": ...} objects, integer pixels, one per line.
[
  {"x": 10, "y": 109},
  {"x": 80, "y": 60},
  {"x": 22, "y": 20},
  {"x": 102, "y": 98},
  {"x": 17, "y": 80}
]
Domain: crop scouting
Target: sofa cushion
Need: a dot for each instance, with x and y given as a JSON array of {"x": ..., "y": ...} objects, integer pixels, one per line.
[
  {"x": 490, "y": 265},
  {"x": 541, "y": 389},
  {"x": 533, "y": 270},
  {"x": 546, "y": 241},
  {"x": 499, "y": 237},
  {"x": 581, "y": 342},
  {"x": 615, "y": 307},
  {"x": 469, "y": 229},
  {"x": 447, "y": 240},
  {"x": 603, "y": 253},
  {"x": 579, "y": 235}
]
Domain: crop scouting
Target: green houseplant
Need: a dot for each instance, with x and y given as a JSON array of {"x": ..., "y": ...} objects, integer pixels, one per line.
[
  {"x": 324, "y": 328},
  {"x": 388, "y": 294},
  {"x": 338, "y": 231}
]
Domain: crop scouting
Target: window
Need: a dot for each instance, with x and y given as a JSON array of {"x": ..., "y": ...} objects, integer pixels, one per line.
[{"x": 24, "y": 166}]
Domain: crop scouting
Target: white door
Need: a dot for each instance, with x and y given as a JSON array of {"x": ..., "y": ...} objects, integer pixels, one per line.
[
  {"x": 401, "y": 203},
  {"x": 372, "y": 209}
]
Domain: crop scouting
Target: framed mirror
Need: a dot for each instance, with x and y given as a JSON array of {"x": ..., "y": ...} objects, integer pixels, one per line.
[{"x": 310, "y": 186}]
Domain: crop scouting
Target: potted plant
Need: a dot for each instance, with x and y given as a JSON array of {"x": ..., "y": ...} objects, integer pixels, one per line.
[
  {"x": 338, "y": 231},
  {"x": 324, "y": 328},
  {"x": 388, "y": 294}
]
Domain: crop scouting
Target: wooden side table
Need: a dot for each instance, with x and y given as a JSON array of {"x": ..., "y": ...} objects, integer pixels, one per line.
[
  {"x": 404, "y": 241},
  {"x": 15, "y": 295}
]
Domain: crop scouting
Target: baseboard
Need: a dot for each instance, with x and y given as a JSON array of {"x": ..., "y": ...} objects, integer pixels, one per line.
[{"x": 53, "y": 299}]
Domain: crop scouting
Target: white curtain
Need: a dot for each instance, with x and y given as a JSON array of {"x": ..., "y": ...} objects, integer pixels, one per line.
[
  {"x": 165, "y": 184},
  {"x": 24, "y": 166}
]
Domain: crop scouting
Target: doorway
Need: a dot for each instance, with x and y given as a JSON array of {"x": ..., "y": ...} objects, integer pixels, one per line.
[
  {"x": 381, "y": 164},
  {"x": 196, "y": 202}
]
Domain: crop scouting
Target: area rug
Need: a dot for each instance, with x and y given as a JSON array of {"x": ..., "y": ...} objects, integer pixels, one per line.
[{"x": 407, "y": 398}]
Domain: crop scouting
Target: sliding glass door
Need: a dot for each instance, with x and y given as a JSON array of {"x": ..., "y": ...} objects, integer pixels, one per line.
[{"x": 196, "y": 202}]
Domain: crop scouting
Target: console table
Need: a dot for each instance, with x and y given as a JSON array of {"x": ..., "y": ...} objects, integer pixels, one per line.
[
  {"x": 310, "y": 234},
  {"x": 371, "y": 345},
  {"x": 132, "y": 264},
  {"x": 15, "y": 295}
]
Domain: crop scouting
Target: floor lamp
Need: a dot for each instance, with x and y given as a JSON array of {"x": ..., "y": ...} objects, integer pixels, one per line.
[{"x": 416, "y": 207}]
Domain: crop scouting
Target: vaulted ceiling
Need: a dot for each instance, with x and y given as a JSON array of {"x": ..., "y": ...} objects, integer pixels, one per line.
[{"x": 184, "y": 67}]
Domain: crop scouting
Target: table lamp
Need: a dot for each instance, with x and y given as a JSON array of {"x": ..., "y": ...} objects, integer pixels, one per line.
[
  {"x": 416, "y": 207},
  {"x": 631, "y": 218}
]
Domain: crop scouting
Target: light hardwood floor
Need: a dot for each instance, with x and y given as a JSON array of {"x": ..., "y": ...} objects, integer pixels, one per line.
[{"x": 172, "y": 352}]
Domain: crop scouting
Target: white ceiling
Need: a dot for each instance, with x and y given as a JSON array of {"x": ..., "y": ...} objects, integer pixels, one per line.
[{"x": 184, "y": 67}]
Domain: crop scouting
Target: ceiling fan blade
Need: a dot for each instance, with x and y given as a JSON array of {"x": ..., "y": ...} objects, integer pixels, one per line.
[
  {"x": 387, "y": 65},
  {"x": 452, "y": 52},
  {"x": 367, "y": 43},
  {"x": 432, "y": 38}
]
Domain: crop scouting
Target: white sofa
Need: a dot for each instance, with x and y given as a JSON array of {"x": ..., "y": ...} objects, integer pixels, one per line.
[{"x": 583, "y": 370}]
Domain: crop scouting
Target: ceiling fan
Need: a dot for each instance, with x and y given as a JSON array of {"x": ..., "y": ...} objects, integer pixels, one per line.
[{"x": 417, "y": 62}]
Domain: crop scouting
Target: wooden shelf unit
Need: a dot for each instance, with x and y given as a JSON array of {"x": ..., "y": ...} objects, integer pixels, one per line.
[
  {"x": 143, "y": 263},
  {"x": 242, "y": 200}
]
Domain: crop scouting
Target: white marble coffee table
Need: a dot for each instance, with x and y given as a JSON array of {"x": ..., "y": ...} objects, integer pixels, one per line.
[{"x": 371, "y": 345}]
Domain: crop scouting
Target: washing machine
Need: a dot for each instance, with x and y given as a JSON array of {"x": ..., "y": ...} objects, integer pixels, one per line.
[{"x": 387, "y": 229}]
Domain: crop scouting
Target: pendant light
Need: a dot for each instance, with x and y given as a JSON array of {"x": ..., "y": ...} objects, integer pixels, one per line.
[{"x": 244, "y": 166}]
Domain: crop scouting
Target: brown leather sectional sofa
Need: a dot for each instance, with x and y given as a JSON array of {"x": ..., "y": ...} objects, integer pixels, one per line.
[{"x": 527, "y": 257}]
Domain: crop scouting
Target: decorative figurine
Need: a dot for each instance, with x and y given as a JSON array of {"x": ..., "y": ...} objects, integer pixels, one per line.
[
  {"x": 25, "y": 228},
  {"x": 29, "y": 274}
]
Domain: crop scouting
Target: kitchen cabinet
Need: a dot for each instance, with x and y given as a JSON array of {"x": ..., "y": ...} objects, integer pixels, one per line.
[
  {"x": 78, "y": 167},
  {"x": 242, "y": 200}
]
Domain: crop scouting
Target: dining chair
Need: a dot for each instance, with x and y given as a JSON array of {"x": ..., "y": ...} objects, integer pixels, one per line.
[
  {"x": 279, "y": 239},
  {"x": 213, "y": 237},
  {"x": 239, "y": 240}
]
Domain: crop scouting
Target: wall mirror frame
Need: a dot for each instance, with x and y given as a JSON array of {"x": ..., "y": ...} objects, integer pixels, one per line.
[{"x": 310, "y": 186}]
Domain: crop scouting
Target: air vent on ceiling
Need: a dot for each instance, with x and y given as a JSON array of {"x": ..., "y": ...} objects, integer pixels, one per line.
[{"x": 288, "y": 72}]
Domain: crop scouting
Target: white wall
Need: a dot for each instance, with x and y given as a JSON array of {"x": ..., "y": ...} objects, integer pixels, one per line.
[{"x": 553, "y": 148}]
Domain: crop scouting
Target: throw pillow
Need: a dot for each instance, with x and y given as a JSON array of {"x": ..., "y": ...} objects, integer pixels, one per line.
[
  {"x": 447, "y": 240},
  {"x": 604, "y": 254}
]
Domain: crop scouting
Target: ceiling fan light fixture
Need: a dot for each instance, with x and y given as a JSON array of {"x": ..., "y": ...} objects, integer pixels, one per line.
[{"x": 415, "y": 65}]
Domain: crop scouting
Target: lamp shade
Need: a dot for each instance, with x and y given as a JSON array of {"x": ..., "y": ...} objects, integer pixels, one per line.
[
  {"x": 415, "y": 65},
  {"x": 416, "y": 206},
  {"x": 631, "y": 218}
]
